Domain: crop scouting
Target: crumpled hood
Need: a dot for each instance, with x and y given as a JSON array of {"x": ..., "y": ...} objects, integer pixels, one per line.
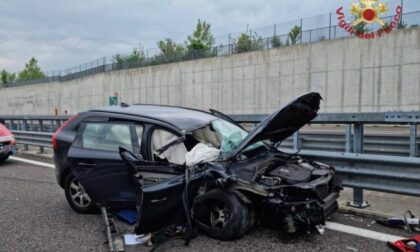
[{"x": 283, "y": 122}]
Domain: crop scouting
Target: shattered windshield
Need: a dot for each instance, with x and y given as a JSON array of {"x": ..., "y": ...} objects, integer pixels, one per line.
[
  {"x": 221, "y": 135},
  {"x": 231, "y": 136}
]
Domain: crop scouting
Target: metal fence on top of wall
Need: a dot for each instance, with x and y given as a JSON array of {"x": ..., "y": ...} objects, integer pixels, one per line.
[{"x": 314, "y": 29}]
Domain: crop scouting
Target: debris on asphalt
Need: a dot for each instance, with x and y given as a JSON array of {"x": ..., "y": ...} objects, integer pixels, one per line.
[
  {"x": 408, "y": 222},
  {"x": 371, "y": 223},
  {"x": 133, "y": 239},
  {"x": 351, "y": 248},
  {"x": 406, "y": 245},
  {"x": 356, "y": 219}
]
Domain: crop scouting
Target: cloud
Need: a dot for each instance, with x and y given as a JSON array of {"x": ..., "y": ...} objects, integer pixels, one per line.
[{"x": 61, "y": 34}]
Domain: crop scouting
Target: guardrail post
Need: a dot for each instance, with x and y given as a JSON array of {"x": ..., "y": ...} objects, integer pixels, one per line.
[
  {"x": 358, "y": 148},
  {"x": 52, "y": 125},
  {"x": 358, "y": 138},
  {"x": 348, "y": 138},
  {"x": 413, "y": 140},
  {"x": 41, "y": 148},
  {"x": 58, "y": 124},
  {"x": 25, "y": 128}
]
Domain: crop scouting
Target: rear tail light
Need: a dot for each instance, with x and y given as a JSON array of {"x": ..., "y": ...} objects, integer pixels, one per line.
[
  {"x": 54, "y": 137},
  {"x": 13, "y": 141}
]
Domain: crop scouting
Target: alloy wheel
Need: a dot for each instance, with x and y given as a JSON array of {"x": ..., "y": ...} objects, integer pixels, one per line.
[
  {"x": 78, "y": 194},
  {"x": 219, "y": 216}
]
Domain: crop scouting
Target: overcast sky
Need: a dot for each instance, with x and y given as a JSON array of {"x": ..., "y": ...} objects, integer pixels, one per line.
[{"x": 61, "y": 33}]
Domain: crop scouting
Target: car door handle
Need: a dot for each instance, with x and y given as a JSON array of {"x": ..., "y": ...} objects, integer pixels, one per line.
[
  {"x": 86, "y": 164},
  {"x": 158, "y": 200}
]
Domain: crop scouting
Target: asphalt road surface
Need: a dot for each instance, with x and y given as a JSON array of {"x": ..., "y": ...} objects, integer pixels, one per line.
[{"x": 34, "y": 216}]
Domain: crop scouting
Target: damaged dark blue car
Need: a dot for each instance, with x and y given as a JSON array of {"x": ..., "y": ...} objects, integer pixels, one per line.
[{"x": 180, "y": 165}]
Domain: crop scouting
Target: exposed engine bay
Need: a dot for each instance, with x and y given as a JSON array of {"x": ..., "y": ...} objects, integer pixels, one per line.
[{"x": 298, "y": 191}]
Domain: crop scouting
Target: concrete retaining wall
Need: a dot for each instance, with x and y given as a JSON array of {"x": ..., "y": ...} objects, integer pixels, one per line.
[{"x": 352, "y": 75}]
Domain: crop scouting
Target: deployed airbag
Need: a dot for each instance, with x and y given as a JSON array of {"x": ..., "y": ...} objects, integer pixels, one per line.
[
  {"x": 201, "y": 153},
  {"x": 174, "y": 154}
]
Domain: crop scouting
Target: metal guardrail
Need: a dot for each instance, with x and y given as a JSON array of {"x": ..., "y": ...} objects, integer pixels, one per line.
[
  {"x": 382, "y": 162},
  {"x": 403, "y": 145},
  {"x": 34, "y": 130}
]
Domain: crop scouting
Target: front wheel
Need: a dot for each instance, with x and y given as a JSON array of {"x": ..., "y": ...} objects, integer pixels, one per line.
[
  {"x": 220, "y": 214},
  {"x": 76, "y": 196}
]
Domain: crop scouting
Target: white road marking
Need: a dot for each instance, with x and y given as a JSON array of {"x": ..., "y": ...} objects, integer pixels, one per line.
[
  {"x": 32, "y": 162},
  {"x": 362, "y": 232}
]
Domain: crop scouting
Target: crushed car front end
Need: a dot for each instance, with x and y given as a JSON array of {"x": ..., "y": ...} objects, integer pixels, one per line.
[
  {"x": 301, "y": 206},
  {"x": 285, "y": 191},
  {"x": 288, "y": 192}
]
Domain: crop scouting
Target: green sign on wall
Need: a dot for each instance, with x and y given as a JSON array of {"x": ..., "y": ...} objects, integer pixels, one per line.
[{"x": 113, "y": 100}]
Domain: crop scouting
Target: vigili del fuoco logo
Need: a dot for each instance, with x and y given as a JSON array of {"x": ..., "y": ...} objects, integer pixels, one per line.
[{"x": 367, "y": 12}]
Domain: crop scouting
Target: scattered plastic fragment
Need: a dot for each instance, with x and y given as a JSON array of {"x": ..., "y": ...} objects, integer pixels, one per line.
[
  {"x": 132, "y": 239},
  {"x": 351, "y": 248},
  {"x": 129, "y": 216}
]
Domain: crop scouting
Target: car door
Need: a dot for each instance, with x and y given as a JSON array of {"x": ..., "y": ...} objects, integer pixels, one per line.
[
  {"x": 95, "y": 161},
  {"x": 163, "y": 181}
]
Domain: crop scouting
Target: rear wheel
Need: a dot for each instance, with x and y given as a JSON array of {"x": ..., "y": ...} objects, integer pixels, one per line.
[
  {"x": 220, "y": 214},
  {"x": 4, "y": 158},
  {"x": 76, "y": 196}
]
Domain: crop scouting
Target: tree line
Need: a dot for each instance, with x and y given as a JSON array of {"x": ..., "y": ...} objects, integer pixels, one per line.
[
  {"x": 31, "y": 72},
  {"x": 199, "y": 44}
]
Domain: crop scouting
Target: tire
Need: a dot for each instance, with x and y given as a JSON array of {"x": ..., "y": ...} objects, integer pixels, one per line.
[
  {"x": 76, "y": 196},
  {"x": 220, "y": 214},
  {"x": 4, "y": 158}
]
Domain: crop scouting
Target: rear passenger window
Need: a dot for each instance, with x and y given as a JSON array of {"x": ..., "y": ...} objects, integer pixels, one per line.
[{"x": 106, "y": 136}]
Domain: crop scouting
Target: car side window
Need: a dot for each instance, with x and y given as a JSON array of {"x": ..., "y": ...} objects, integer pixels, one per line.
[{"x": 106, "y": 136}]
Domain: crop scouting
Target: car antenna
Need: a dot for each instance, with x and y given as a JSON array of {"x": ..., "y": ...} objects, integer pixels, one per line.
[{"x": 124, "y": 105}]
